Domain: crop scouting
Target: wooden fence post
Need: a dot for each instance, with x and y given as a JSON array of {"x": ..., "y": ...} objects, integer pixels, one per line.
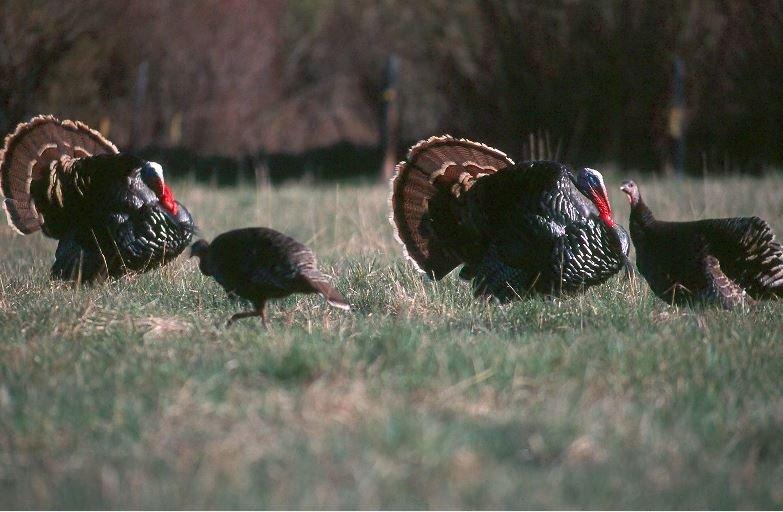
[
  {"x": 390, "y": 127},
  {"x": 139, "y": 95},
  {"x": 677, "y": 119}
]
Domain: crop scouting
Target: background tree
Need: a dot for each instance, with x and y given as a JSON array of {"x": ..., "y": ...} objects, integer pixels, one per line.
[{"x": 238, "y": 77}]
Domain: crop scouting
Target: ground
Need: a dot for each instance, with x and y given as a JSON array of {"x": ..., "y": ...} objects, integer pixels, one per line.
[{"x": 134, "y": 395}]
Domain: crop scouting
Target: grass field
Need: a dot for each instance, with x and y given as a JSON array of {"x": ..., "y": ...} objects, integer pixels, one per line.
[{"x": 133, "y": 394}]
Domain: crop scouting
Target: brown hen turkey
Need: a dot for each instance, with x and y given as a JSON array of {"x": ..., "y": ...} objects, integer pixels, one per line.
[
  {"x": 112, "y": 213},
  {"x": 730, "y": 262},
  {"x": 258, "y": 264},
  {"x": 530, "y": 227}
]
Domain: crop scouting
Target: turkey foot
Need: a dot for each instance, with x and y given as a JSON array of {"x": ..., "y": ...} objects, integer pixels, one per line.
[{"x": 259, "y": 311}]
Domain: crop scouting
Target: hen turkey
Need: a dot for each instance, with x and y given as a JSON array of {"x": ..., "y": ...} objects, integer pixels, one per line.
[
  {"x": 727, "y": 261},
  {"x": 112, "y": 213},
  {"x": 259, "y": 264},
  {"x": 517, "y": 228}
]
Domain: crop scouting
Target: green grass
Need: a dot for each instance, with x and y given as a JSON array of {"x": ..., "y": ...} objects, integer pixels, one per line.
[{"x": 133, "y": 395}]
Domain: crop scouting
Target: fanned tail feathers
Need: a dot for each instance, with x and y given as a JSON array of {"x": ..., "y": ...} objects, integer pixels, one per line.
[
  {"x": 27, "y": 157},
  {"x": 764, "y": 254},
  {"x": 749, "y": 254},
  {"x": 436, "y": 170}
]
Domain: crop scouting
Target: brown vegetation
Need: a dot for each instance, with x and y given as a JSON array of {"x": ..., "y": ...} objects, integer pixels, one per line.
[{"x": 239, "y": 77}]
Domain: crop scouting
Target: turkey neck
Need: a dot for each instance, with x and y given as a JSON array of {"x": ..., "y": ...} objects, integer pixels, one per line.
[
  {"x": 203, "y": 264},
  {"x": 641, "y": 217}
]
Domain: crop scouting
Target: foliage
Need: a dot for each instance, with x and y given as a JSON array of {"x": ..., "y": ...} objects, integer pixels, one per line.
[{"x": 241, "y": 77}]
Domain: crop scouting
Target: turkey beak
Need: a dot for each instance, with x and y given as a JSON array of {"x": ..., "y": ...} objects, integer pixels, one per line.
[{"x": 627, "y": 188}]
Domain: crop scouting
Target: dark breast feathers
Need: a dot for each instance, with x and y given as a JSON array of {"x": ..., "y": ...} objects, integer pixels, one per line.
[
  {"x": 118, "y": 224},
  {"x": 67, "y": 180},
  {"x": 517, "y": 228}
]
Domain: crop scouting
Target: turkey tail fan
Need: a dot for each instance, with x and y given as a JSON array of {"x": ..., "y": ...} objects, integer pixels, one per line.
[
  {"x": 748, "y": 253},
  {"x": 763, "y": 255},
  {"x": 329, "y": 292},
  {"x": 27, "y": 156},
  {"x": 435, "y": 165}
]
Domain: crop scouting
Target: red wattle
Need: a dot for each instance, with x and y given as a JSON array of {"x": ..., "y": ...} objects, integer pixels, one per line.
[
  {"x": 167, "y": 200},
  {"x": 604, "y": 210}
]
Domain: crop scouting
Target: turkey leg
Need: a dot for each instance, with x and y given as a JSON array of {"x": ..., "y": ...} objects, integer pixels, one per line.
[{"x": 259, "y": 311}]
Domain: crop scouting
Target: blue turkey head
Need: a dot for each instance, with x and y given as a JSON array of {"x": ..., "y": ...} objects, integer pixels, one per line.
[
  {"x": 591, "y": 184},
  {"x": 152, "y": 176}
]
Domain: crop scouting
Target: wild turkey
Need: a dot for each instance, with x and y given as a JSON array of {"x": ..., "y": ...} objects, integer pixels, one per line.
[
  {"x": 111, "y": 212},
  {"x": 259, "y": 264},
  {"x": 727, "y": 261},
  {"x": 533, "y": 226}
]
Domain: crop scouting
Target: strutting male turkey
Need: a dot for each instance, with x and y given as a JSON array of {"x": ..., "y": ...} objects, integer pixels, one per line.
[
  {"x": 726, "y": 261},
  {"x": 528, "y": 227},
  {"x": 259, "y": 264},
  {"x": 112, "y": 213}
]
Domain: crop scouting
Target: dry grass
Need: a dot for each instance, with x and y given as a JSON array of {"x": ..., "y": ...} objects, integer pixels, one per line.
[{"x": 133, "y": 395}]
